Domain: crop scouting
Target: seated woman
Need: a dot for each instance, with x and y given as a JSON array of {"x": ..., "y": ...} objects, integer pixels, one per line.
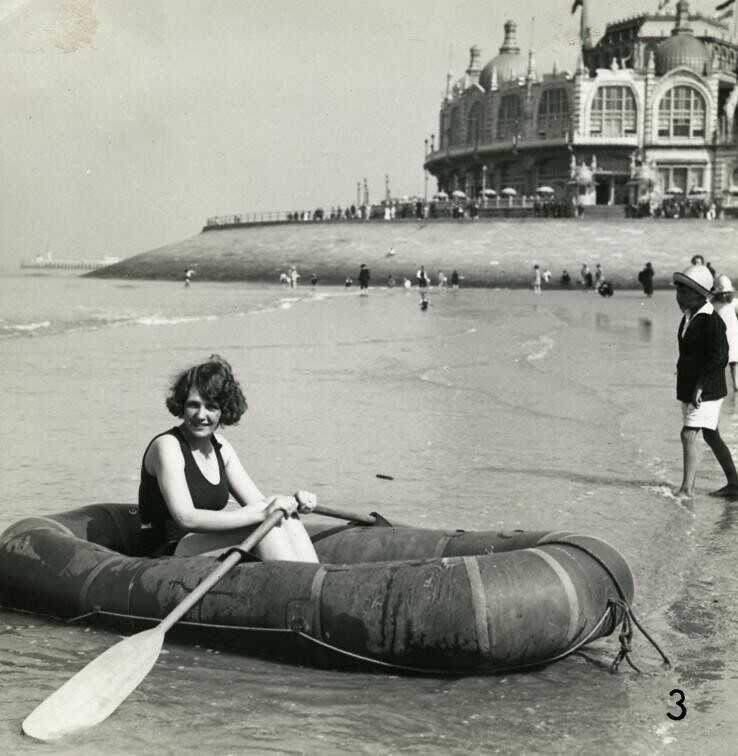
[{"x": 188, "y": 472}]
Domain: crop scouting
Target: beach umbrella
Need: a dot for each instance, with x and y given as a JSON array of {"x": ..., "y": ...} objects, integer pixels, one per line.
[
  {"x": 698, "y": 190},
  {"x": 508, "y": 191},
  {"x": 674, "y": 190},
  {"x": 545, "y": 190},
  {"x": 732, "y": 189},
  {"x": 458, "y": 194},
  {"x": 489, "y": 193},
  {"x": 441, "y": 196}
]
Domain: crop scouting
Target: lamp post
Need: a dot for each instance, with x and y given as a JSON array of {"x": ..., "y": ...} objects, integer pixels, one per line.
[
  {"x": 484, "y": 185},
  {"x": 425, "y": 175}
]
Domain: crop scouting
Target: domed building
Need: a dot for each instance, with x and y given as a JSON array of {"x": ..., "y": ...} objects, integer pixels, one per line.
[{"x": 652, "y": 102}]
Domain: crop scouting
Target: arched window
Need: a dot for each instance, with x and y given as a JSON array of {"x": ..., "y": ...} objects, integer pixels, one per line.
[
  {"x": 682, "y": 113},
  {"x": 454, "y": 136},
  {"x": 613, "y": 112},
  {"x": 474, "y": 124},
  {"x": 553, "y": 113},
  {"x": 509, "y": 116}
]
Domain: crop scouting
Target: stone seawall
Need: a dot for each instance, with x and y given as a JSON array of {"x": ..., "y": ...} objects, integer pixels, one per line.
[{"x": 486, "y": 253}]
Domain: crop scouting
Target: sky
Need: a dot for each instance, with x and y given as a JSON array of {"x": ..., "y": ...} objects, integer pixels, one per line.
[{"x": 124, "y": 124}]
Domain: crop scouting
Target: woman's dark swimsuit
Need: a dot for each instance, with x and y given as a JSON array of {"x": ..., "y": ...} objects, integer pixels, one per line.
[{"x": 159, "y": 533}]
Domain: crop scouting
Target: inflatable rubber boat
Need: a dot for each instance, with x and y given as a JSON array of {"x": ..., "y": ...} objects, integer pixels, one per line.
[{"x": 401, "y": 598}]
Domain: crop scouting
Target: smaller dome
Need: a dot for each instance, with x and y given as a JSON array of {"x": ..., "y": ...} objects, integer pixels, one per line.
[
  {"x": 510, "y": 64},
  {"x": 459, "y": 86},
  {"x": 682, "y": 49}
]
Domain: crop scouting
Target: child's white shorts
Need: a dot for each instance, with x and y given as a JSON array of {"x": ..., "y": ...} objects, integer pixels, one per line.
[{"x": 704, "y": 416}]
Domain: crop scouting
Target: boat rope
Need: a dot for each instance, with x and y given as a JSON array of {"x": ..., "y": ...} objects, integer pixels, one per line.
[{"x": 626, "y": 631}]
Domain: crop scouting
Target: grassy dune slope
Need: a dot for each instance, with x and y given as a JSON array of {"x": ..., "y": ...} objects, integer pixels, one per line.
[{"x": 486, "y": 253}]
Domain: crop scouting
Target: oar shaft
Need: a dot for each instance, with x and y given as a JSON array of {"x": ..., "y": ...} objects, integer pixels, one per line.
[
  {"x": 341, "y": 514},
  {"x": 226, "y": 565}
]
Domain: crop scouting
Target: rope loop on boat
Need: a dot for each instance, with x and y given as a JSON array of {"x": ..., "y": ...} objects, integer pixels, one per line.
[
  {"x": 625, "y": 636},
  {"x": 626, "y": 631}
]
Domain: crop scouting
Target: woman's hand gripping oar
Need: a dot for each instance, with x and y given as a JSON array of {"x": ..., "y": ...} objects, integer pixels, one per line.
[
  {"x": 340, "y": 514},
  {"x": 98, "y": 689}
]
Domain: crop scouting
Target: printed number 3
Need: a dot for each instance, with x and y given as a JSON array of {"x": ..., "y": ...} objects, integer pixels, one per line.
[{"x": 679, "y": 703}]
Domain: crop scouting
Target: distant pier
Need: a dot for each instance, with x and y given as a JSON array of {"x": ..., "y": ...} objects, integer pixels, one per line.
[{"x": 48, "y": 263}]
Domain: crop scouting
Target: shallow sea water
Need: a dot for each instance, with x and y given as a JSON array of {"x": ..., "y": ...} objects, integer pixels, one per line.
[{"x": 493, "y": 409}]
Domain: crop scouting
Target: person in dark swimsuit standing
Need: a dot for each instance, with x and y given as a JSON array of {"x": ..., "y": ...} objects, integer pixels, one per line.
[{"x": 188, "y": 473}]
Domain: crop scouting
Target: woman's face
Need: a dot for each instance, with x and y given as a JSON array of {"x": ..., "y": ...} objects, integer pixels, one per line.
[
  {"x": 200, "y": 418},
  {"x": 688, "y": 299}
]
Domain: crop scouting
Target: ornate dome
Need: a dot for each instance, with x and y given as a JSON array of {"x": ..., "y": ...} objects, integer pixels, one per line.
[
  {"x": 682, "y": 48},
  {"x": 510, "y": 64}
]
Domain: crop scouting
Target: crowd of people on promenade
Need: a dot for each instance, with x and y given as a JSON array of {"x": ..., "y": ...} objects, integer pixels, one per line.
[
  {"x": 675, "y": 207},
  {"x": 419, "y": 209}
]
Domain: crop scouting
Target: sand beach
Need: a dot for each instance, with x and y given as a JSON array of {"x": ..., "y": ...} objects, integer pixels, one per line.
[{"x": 487, "y": 253}]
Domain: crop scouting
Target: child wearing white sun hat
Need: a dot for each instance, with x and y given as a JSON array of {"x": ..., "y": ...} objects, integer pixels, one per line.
[
  {"x": 722, "y": 301},
  {"x": 701, "y": 388}
]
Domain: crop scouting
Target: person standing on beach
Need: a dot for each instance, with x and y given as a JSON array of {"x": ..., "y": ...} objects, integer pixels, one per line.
[
  {"x": 188, "y": 276},
  {"x": 645, "y": 278},
  {"x": 722, "y": 301},
  {"x": 701, "y": 388},
  {"x": 293, "y": 276},
  {"x": 455, "y": 279},
  {"x": 585, "y": 277},
  {"x": 599, "y": 276},
  {"x": 536, "y": 279},
  {"x": 423, "y": 284},
  {"x": 364, "y": 277}
]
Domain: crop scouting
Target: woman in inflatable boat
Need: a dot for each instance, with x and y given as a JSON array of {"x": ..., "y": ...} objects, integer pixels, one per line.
[{"x": 189, "y": 471}]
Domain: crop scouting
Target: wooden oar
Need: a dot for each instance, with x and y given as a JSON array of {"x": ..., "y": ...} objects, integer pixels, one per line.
[
  {"x": 98, "y": 689},
  {"x": 341, "y": 514}
]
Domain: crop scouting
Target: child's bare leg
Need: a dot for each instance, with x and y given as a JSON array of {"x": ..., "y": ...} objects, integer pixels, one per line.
[
  {"x": 732, "y": 375},
  {"x": 725, "y": 458},
  {"x": 690, "y": 453}
]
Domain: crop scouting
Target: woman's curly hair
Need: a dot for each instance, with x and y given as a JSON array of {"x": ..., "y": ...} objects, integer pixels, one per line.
[{"x": 215, "y": 383}]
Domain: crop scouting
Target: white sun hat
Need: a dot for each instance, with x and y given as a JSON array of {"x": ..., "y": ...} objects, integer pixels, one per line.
[
  {"x": 723, "y": 285},
  {"x": 696, "y": 277}
]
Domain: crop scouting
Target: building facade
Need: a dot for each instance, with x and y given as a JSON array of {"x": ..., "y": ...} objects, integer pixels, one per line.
[{"x": 654, "y": 101}]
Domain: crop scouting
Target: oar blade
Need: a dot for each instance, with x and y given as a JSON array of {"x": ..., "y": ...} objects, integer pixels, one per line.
[{"x": 97, "y": 690}]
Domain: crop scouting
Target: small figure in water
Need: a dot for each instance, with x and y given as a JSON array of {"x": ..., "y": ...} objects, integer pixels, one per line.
[
  {"x": 536, "y": 279},
  {"x": 364, "y": 277},
  {"x": 423, "y": 284},
  {"x": 701, "y": 387},
  {"x": 645, "y": 278},
  {"x": 188, "y": 276}
]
